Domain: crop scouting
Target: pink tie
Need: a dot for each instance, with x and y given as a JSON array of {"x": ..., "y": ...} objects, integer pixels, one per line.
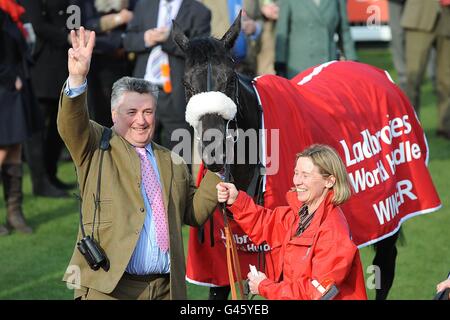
[{"x": 154, "y": 193}]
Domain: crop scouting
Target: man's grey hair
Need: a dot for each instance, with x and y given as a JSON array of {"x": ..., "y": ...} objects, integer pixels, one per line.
[{"x": 129, "y": 84}]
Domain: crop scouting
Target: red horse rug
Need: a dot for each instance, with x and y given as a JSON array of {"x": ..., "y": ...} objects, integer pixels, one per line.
[{"x": 356, "y": 109}]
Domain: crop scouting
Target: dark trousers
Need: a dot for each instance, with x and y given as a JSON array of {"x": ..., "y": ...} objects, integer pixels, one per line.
[
  {"x": 385, "y": 257},
  {"x": 53, "y": 144}
]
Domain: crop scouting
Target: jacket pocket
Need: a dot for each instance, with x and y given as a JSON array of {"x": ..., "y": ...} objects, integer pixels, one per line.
[
  {"x": 103, "y": 214},
  {"x": 104, "y": 210},
  {"x": 102, "y": 232},
  {"x": 303, "y": 244},
  {"x": 303, "y": 241}
]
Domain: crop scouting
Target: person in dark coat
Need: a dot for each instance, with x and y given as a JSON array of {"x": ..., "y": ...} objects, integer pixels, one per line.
[
  {"x": 15, "y": 110},
  {"x": 143, "y": 36},
  {"x": 48, "y": 73}
]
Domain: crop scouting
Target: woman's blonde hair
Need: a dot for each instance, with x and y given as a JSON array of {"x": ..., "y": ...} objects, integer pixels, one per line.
[{"x": 329, "y": 163}]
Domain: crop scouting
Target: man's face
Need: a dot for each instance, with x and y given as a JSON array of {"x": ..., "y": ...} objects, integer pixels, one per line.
[{"x": 134, "y": 118}]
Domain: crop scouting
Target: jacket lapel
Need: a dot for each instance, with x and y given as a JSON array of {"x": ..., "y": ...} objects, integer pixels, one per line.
[
  {"x": 313, "y": 9},
  {"x": 165, "y": 171},
  {"x": 307, "y": 236},
  {"x": 184, "y": 9},
  {"x": 133, "y": 158}
]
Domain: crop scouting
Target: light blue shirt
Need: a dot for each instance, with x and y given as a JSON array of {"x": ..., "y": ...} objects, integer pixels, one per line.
[
  {"x": 147, "y": 257},
  {"x": 164, "y": 21},
  {"x": 75, "y": 92}
]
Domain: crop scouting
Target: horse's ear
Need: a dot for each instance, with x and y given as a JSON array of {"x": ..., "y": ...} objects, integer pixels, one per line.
[
  {"x": 231, "y": 35},
  {"x": 179, "y": 37}
]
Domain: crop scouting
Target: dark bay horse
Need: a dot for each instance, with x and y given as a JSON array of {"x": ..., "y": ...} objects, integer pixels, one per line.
[
  {"x": 210, "y": 68},
  {"x": 231, "y": 101}
]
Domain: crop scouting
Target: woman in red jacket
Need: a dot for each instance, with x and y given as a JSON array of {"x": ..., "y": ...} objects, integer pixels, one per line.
[{"x": 311, "y": 234}]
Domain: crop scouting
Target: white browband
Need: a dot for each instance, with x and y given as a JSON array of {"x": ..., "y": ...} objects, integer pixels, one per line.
[{"x": 209, "y": 102}]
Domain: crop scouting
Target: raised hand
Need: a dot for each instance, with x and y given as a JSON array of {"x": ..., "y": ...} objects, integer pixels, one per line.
[{"x": 79, "y": 56}]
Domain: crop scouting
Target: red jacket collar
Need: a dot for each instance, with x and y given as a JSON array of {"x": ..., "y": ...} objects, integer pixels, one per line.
[{"x": 322, "y": 211}]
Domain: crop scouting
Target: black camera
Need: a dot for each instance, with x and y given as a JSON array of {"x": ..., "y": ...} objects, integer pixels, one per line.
[{"x": 94, "y": 254}]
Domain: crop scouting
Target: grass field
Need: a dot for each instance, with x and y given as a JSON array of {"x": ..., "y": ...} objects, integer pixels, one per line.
[{"x": 32, "y": 266}]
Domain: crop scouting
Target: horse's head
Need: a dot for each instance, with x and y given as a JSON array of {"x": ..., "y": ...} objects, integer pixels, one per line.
[{"x": 210, "y": 84}]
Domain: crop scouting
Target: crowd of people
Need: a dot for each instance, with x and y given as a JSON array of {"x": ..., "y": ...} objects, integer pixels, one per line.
[{"x": 45, "y": 71}]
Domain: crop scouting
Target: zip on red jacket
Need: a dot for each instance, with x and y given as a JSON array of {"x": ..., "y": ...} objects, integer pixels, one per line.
[{"x": 323, "y": 252}]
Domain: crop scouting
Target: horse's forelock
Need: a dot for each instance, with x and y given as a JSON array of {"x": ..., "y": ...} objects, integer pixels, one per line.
[{"x": 203, "y": 50}]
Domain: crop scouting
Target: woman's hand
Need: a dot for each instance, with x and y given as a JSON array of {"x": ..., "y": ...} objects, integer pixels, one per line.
[
  {"x": 254, "y": 281},
  {"x": 226, "y": 192},
  {"x": 18, "y": 84},
  {"x": 79, "y": 56},
  {"x": 443, "y": 285}
]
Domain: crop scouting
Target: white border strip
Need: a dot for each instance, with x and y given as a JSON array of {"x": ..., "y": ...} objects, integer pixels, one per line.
[
  {"x": 428, "y": 150},
  {"x": 389, "y": 76},
  {"x": 315, "y": 72},
  {"x": 263, "y": 136},
  {"x": 408, "y": 216},
  {"x": 205, "y": 284}
]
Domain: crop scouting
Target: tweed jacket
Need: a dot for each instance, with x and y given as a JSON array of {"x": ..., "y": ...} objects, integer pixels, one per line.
[
  {"x": 421, "y": 15},
  {"x": 121, "y": 211}
]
